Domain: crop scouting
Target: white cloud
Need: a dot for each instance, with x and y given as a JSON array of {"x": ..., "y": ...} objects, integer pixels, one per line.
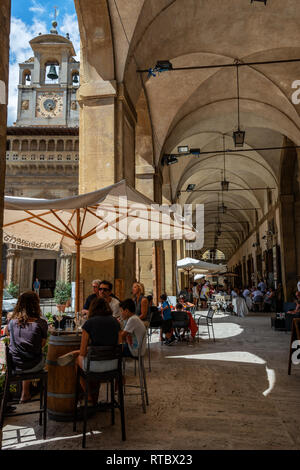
[
  {"x": 69, "y": 25},
  {"x": 20, "y": 51},
  {"x": 37, "y": 8}
]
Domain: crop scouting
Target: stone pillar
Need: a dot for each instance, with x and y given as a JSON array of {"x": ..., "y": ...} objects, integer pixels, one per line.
[
  {"x": 10, "y": 265},
  {"x": 5, "y": 8},
  {"x": 107, "y": 155},
  {"x": 124, "y": 256},
  {"x": 288, "y": 245},
  {"x": 145, "y": 184}
]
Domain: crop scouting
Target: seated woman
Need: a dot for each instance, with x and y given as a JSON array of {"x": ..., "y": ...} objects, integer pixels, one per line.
[
  {"x": 297, "y": 309},
  {"x": 28, "y": 335},
  {"x": 100, "y": 329}
]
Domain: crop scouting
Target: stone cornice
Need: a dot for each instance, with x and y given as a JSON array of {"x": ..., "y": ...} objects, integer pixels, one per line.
[{"x": 96, "y": 90}]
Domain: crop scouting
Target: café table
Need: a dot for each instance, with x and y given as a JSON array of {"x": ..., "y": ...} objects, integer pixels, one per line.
[{"x": 61, "y": 380}]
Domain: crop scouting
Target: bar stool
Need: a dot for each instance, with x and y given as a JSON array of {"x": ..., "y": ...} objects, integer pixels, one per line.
[
  {"x": 139, "y": 359},
  {"x": 14, "y": 378},
  {"x": 98, "y": 354}
]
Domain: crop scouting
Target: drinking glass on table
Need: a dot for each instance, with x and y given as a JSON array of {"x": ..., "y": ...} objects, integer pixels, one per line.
[{"x": 59, "y": 318}]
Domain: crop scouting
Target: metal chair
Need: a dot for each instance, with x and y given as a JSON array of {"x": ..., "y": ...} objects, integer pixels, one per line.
[
  {"x": 209, "y": 322},
  {"x": 180, "y": 321},
  {"x": 139, "y": 359},
  {"x": 154, "y": 325},
  {"x": 100, "y": 354},
  {"x": 16, "y": 378}
]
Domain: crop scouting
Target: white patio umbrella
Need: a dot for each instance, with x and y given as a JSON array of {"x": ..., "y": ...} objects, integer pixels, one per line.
[
  {"x": 195, "y": 265},
  {"x": 89, "y": 222}
]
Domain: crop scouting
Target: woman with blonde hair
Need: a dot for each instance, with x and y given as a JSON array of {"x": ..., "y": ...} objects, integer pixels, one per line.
[
  {"x": 28, "y": 335},
  {"x": 142, "y": 308}
]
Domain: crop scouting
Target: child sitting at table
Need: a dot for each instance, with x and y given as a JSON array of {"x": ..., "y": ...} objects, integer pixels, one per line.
[
  {"x": 166, "y": 328},
  {"x": 134, "y": 330}
]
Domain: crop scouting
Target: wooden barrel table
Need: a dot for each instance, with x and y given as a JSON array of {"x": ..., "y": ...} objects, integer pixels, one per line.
[{"x": 61, "y": 380}]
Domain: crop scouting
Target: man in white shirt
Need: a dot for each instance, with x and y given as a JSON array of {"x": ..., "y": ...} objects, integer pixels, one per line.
[
  {"x": 262, "y": 285},
  {"x": 134, "y": 330},
  {"x": 246, "y": 292}
]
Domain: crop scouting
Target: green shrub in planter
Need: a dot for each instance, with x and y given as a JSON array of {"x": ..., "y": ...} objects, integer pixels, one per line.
[
  {"x": 62, "y": 292},
  {"x": 13, "y": 289}
]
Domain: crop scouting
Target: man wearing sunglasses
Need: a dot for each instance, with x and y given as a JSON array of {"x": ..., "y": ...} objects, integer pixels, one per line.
[
  {"x": 105, "y": 291},
  {"x": 94, "y": 295}
]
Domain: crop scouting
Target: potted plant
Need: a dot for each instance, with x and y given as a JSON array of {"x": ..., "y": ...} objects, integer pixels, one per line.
[
  {"x": 62, "y": 294},
  {"x": 13, "y": 290}
]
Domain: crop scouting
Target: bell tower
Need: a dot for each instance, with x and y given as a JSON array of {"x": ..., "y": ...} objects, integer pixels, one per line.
[{"x": 48, "y": 83}]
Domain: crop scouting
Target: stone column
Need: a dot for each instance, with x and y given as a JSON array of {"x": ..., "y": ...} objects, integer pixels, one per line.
[
  {"x": 145, "y": 184},
  {"x": 10, "y": 265},
  {"x": 288, "y": 245},
  {"x": 5, "y": 8},
  {"x": 107, "y": 155}
]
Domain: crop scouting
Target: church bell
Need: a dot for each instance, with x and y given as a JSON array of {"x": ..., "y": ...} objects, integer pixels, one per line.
[
  {"x": 75, "y": 78},
  {"x": 52, "y": 73}
]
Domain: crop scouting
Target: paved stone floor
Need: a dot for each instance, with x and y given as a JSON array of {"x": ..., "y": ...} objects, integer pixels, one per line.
[{"x": 230, "y": 394}]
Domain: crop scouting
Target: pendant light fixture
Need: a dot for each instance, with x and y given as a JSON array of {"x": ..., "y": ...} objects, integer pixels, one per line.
[
  {"x": 224, "y": 183},
  {"x": 238, "y": 136}
]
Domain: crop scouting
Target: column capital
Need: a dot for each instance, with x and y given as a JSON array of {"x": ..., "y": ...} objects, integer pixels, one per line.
[{"x": 96, "y": 90}]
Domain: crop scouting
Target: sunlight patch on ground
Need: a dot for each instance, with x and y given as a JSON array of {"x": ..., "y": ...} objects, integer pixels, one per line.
[
  {"x": 18, "y": 437},
  {"x": 272, "y": 379},
  {"x": 230, "y": 356}
]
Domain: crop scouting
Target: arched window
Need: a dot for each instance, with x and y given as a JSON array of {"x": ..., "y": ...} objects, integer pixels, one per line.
[
  {"x": 76, "y": 145},
  {"x": 51, "y": 145},
  {"x": 42, "y": 145},
  {"x": 8, "y": 145},
  {"x": 75, "y": 78},
  {"x": 26, "y": 77},
  {"x": 33, "y": 145},
  {"x": 69, "y": 145},
  {"x": 60, "y": 146},
  {"x": 24, "y": 145},
  {"x": 52, "y": 70},
  {"x": 16, "y": 145}
]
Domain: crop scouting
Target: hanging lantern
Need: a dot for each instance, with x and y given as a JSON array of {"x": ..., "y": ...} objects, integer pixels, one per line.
[{"x": 52, "y": 73}]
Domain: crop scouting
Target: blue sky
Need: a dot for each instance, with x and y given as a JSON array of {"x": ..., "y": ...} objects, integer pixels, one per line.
[{"x": 28, "y": 19}]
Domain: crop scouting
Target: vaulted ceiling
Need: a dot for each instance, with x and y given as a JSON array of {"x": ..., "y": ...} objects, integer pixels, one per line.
[{"x": 198, "y": 107}]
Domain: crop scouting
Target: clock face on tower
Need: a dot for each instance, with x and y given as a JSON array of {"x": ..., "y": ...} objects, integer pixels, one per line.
[{"x": 49, "y": 105}]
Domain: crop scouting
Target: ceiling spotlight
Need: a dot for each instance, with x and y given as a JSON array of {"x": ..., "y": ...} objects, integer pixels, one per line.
[
  {"x": 184, "y": 149},
  {"x": 190, "y": 188},
  {"x": 195, "y": 151},
  {"x": 263, "y": 1},
  {"x": 163, "y": 65},
  {"x": 169, "y": 159}
]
